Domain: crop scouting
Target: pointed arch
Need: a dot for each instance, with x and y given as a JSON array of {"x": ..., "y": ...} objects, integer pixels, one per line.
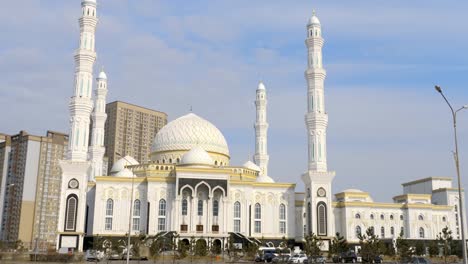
[
  {"x": 71, "y": 212},
  {"x": 321, "y": 219}
]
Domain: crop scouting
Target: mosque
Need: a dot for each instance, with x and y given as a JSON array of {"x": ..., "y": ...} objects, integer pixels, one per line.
[{"x": 191, "y": 190}]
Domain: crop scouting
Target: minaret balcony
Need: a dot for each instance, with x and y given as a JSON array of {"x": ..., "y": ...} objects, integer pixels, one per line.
[
  {"x": 314, "y": 42},
  {"x": 315, "y": 73}
]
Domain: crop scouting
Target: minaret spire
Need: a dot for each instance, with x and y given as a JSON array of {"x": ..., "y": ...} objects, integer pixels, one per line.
[
  {"x": 81, "y": 103},
  {"x": 261, "y": 128},
  {"x": 99, "y": 116}
]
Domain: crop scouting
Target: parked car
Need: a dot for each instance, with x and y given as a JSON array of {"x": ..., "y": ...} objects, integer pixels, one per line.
[
  {"x": 281, "y": 258},
  {"x": 375, "y": 259},
  {"x": 267, "y": 257},
  {"x": 115, "y": 256},
  {"x": 315, "y": 259},
  {"x": 420, "y": 260},
  {"x": 344, "y": 257},
  {"x": 298, "y": 258},
  {"x": 93, "y": 255}
]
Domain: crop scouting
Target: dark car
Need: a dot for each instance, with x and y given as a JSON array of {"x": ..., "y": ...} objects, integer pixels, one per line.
[
  {"x": 267, "y": 257},
  {"x": 315, "y": 259},
  {"x": 344, "y": 257},
  {"x": 370, "y": 259}
]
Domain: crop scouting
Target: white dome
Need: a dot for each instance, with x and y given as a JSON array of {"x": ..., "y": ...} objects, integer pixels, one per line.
[
  {"x": 265, "y": 178},
  {"x": 261, "y": 86},
  {"x": 353, "y": 190},
  {"x": 197, "y": 156},
  {"x": 124, "y": 173},
  {"x": 102, "y": 75},
  {"x": 187, "y": 132},
  {"x": 313, "y": 20},
  {"x": 251, "y": 165},
  {"x": 121, "y": 163}
]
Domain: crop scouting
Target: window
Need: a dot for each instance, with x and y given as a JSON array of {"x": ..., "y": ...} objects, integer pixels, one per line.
[
  {"x": 382, "y": 232},
  {"x": 258, "y": 218},
  {"x": 392, "y": 231},
  {"x": 109, "y": 214},
  {"x": 215, "y": 208},
  {"x": 444, "y": 219},
  {"x": 402, "y": 231},
  {"x": 321, "y": 219},
  {"x": 420, "y": 217},
  {"x": 200, "y": 208},
  {"x": 372, "y": 230},
  {"x": 357, "y": 216},
  {"x": 382, "y": 217},
  {"x": 358, "y": 231},
  {"x": 421, "y": 232},
  {"x": 71, "y": 212},
  {"x": 184, "y": 207},
  {"x": 401, "y": 217},
  {"x": 162, "y": 215},
  {"x": 136, "y": 215},
  {"x": 391, "y": 217},
  {"x": 282, "y": 217},
  {"x": 372, "y": 216},
  {"x": 237, "y": 215}
]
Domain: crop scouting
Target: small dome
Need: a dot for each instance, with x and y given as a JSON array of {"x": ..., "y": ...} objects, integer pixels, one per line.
[
  {"x": 121, "y": 163},
  {"x": 102, "y": 75},
  {"x": 353, "y": 190},
  {"x": 88, "y": 2},
  {"x": 252, "y": 166},
  {"x": 124, "y": 173},
  {"x": 265, "y": 179},
  {"x": 261, "y": 86},
  {"x": 197, "y": 156},
  {"x": 313, "y": 20}
]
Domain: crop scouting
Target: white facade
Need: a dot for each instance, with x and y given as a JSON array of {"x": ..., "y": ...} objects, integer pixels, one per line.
[{"x": 189, "y": 187}]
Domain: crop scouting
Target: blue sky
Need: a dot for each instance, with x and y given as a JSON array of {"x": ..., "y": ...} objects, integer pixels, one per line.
[{"x": 387, "y": 125}]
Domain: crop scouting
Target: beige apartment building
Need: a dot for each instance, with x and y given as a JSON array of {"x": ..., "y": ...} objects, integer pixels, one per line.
[
  {"x": 30, "y": 180},
  {"x": 130, "y": 130}
]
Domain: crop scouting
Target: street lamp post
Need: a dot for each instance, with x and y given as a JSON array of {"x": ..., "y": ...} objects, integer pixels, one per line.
[{"x": 457, "y": 165}]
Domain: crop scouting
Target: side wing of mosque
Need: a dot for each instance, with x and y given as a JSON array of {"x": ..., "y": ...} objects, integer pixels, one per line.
[{"x": 189, "y": 189}]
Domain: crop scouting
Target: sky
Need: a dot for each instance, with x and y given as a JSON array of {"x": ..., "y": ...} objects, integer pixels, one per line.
[{"x": 387, "y": 124}]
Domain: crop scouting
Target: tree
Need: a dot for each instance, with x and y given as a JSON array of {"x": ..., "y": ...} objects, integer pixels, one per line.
[
  {"x": 404, "y": 249},
  {"x": 445, "y": 239},
  {"x": 338, "y": 245},
  {"x": 201, "y": 247},
  {"x": 433, "y": 248},
  {"x": 312, "y": 245},
  {"x": 232, "y": 249},
  {"x": 371, "y": 246},
  {"x": 182, "y": 248},
  {"x": 420, "y": 249}
]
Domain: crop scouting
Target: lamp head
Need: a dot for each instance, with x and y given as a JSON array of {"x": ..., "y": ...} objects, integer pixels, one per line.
[{"x": 438, "y": 89}]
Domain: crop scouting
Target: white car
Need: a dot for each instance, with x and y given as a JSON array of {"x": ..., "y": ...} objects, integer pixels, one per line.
[{"x": 298, "y": 258}]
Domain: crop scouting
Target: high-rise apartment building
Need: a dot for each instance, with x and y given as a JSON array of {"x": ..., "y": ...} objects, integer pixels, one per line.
[
  {"x": 30, "y": 179},
  {"x": 130, "y": 130}
]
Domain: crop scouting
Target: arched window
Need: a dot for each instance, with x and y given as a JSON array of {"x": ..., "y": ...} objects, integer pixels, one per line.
[
  {"x": 401, "y": 217},
  {"x": 382, "y": 217},
  {"x": 392, "y": 231},
  {"x": 178, "y": 160},
  {"x": 162, "y": 215},
  {"x": 216, "y": 163},
  {"x": 237, "y": 217},
  {"x": 136, "y": 215},
  {"x": 71, "y": 212},
  {"x": 420, "y": 217},
  {"x": 357, "y": 216},
  {"x": 309, "y": 217},
  {"x": 200, "y": 208},
  {"x": 382, "y": 232},
  {"x": 372, "y": 216},
  {"x": 372, "y": 230},
  {"x": 109, "y": 214},
  {"x": 421, "y": 232},
  {"x": 358, "y": 231},
  {"x": 321, "y": 219},
  {"x": 391, "y": 217},
  {"x": 402, "y": 231},
  {"x": 184, "y": 206},
  {"x": 258, "y": 218},
  {"x": 215, "y": 207},
  {"x": 170, "y": 160},
  {"x": 444, "y": 219},
  {"x": 282, "y": 217}
]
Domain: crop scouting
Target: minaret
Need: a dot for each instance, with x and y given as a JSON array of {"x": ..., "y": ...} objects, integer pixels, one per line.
[
  {"x": 261, "y": 128},
  {"x": 316, "y": 117},
  {"x": 317, "y": 180},
  {"x": 99, "y": 116},
  {"x": 81, "y": 103}
]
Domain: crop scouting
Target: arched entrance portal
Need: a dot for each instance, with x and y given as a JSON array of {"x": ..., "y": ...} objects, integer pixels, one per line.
[{"x": 217, "y": 246}]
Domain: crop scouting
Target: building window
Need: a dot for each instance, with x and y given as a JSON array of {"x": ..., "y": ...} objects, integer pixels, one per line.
[
  {"x": 258, "y": 218},
  {"x": 402, "y": 231},
  {"x": 401, "y": 217},
  {"x": 282, "y": 217},
  {"x": 444, "y": 219},
  {"x": 420, "y": 217},
  {"x": 421, "y": 232},
  {"x": 162, "y": 215},
  {"x": 382, "y": 232},
  {"x": 71, "y": 212},
  {"x": 382, "y": 217},
  {"x": 237, "y": 215},
  {"x": 392, "y": 231},
  {"x": 109, "y": 214},
  {"x": 200, "y": 208},
  {"x": 372, "y": 216},
  {"x": 215, "y": 208},
  {"x": 391, "y": 217},
  {"x": 321, "y": 219},
  {"x": 358, "y": 231},
  {"x": 357, "y": 216},
  {"x": 184, "y": 207},
  {"x": 136, "y": 215}
]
